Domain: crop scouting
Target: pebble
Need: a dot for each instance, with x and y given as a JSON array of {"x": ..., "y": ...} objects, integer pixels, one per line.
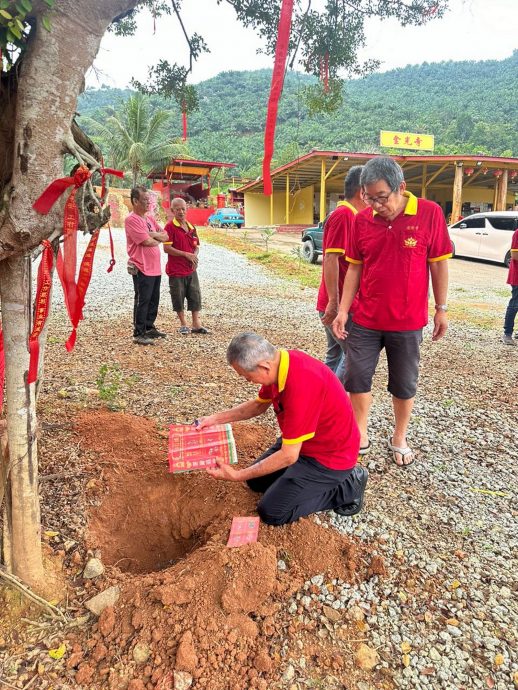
[{"x": 94, "y": 568}]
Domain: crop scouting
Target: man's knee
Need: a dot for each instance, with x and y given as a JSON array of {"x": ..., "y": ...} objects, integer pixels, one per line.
[{"x": 270, "y": 515}]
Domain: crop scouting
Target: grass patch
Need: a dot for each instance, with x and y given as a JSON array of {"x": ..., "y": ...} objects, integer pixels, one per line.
[{"x": 282, "y": 265}]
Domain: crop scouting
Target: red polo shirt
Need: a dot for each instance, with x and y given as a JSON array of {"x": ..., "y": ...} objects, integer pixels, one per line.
[
  {"x": 395, "y": 256},
  {"x": 336, "y": 231},
  {"x": 312, "y": 407},
  {"x": 185, "y": 241},
  {"x": 512, "y": 278}
]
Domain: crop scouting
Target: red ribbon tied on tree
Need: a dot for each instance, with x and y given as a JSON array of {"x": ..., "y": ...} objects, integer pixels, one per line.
[
  {"x": 281, "y": 52},
  {"x": 66, "y": 263},
  {"x": 41, "y": 309}
]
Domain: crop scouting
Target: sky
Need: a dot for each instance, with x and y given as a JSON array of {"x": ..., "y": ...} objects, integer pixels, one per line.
[{"x": 471, "y": 30}]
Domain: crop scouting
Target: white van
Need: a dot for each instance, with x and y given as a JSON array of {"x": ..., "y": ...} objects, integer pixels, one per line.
[{"x": 485, "y": 236}]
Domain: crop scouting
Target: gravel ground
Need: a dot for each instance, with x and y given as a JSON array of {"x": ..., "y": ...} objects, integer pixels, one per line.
[{"x": 446, "y": 616}]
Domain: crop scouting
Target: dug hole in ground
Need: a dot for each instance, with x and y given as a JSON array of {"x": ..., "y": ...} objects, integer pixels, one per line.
[{"x": 367, "y": 603}]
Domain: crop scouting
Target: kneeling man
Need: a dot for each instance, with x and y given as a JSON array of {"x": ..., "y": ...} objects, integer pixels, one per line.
[{"x": 312, "y": 466}]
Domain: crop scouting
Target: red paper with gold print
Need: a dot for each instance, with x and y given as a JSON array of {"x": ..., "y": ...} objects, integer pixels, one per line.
[
  {"x": 41, "y": 308},
  {"x": 244, "y": 530},
  {"x": 190, "y": 449}
]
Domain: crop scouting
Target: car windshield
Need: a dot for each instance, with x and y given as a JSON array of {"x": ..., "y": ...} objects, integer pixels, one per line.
[{"x": 227, "y": 210}]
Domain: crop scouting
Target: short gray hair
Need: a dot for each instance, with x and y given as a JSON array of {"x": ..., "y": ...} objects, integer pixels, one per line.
[
  {"x": 352, "y": 182},
  {"x": 382, "y": 168},
  {"x": 248, "y": 349}
]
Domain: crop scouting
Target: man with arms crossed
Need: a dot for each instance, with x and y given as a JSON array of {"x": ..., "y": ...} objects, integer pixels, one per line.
[
  {"x": 394, "y": 247},
  {"x": 143, "y": 237},
  {"x": 312, "y": 466},
  {"x": 334, "y": 266}
]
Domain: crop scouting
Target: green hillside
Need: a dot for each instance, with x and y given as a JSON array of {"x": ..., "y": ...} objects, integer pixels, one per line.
[{"x": 470, "y": 107}]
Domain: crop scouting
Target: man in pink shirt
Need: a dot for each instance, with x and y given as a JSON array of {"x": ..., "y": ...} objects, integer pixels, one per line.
[
  {"x": 143, "y": 237},
  {"x": 512, "y": 307}
]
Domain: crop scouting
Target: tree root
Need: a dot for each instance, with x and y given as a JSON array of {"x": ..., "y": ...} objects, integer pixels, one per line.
[{"x": 26, "y": 592}]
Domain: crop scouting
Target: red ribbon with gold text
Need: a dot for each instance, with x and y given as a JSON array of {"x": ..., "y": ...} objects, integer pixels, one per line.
[
  {"x": 281, "y": 52},
  {"x": 41, "y": 308}
]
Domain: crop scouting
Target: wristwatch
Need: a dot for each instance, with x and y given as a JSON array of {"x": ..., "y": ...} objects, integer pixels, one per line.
[{"x": 441, "y": 307}]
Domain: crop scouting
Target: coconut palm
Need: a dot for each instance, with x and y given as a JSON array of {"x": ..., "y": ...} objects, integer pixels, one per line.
[{"x": 136, "y": 140}]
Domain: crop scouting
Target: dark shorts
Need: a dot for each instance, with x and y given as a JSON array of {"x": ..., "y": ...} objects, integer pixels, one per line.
[
  {"x": 185, "y": 288},
  {"x": 363, "y": 350}
]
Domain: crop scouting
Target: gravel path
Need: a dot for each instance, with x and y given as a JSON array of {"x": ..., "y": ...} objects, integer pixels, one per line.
[{"x": 446, "y": 616}]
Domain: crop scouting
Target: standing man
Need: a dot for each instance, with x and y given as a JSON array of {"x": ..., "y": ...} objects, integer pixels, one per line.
[
  {"x": 312, "y": 466},
  {"x": 182, "y": 261},
  {"x": 394, "y": 247},
  {"x": 512, "y": 307},
  {"x": 143, "y": 237},
  {"x": 334, "y": 266}
]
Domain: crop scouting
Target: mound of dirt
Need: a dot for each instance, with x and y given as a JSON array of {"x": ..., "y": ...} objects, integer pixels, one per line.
[{"x": 188, "y": 603}]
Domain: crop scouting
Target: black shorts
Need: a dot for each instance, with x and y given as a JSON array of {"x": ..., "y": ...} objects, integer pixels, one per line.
[
  {"x": 363, "y": 350},
  {"x": 185, "y": 288}
]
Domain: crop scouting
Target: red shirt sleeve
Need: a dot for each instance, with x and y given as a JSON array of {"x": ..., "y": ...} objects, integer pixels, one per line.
[
  {"x": 439, "y": 243},
  {"x": 265, "y": 394},
  {"x": 353, "y": 254},
  {"x": 301, "y": 412},
  {"x": 335, "y": 232}
]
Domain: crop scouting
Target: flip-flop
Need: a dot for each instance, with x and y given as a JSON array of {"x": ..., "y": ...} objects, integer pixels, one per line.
[
  {"x": 401, "y": 451},
  {"x": 365, "y": 449},
  {"x": 184, "y": 330},
  {"x": 201, "y": 330}
]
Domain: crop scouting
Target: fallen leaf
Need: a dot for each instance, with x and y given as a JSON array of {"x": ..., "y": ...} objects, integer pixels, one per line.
[
  {"x": 406, "y": 647},
  {"x": 406, "y": 660},
  {"x": 499, "y": 659},
  {"x": 455, "y": 584},
  {"x": 51, "y": 534},
  {"x": 58, "y": 653},
  {"x": 452, "y": 621}
]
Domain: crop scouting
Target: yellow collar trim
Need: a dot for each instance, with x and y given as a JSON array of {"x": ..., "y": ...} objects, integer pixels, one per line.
[
  {"x": 179, "y": 225},
  {"x": 284, "y": 365},
  {"x": 411, "y": 205},
  {"x": 348, "y": 204}
]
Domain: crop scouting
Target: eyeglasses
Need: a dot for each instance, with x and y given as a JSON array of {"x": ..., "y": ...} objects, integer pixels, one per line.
[{"x": 382, "y": 199}]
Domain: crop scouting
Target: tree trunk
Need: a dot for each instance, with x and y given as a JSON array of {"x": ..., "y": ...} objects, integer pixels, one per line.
[{"x": 25, "y": 525}]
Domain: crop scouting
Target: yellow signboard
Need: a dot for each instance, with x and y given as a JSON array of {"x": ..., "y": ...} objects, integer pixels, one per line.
[{"x": 407, "y": 140}]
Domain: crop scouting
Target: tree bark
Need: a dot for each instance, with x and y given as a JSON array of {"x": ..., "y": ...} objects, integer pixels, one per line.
[
  {"x": 25, "y": 527},
  {"x": 49, "y": 79}
]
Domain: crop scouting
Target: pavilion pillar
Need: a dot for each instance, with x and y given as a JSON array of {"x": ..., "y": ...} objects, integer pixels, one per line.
[
  {"x": 271, "y": 208},
  {"x": 501, "y": 201},
  {"x": 287, "y": 199},
  {"x": 322, "y": 189},
  {"x": 423, "y": 182},
  {"x": 457, "y": 193}
]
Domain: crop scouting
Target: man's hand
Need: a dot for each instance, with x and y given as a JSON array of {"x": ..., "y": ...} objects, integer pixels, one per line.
[
  {"x": 159, "y": 236},
  {"x": 330, "y": 313},
  {"x": 192, "y": 258},
  {"x": 440, "y": 324},
  {"x": 224, "y": 471},
  {"x": 204, "y": 422},
  {"x": 338, "y": 325}
]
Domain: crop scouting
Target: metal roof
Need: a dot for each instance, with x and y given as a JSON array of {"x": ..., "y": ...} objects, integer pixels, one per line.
[{"x": 440, "y": 170}]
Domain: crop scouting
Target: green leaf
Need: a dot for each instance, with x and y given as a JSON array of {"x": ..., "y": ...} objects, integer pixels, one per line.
[
  {"x": 4, "y": 4},
  {"x": 20, "y": 25},
  {"x": 49, "y": 3},
  {"x": 46, "y": 23},
  {"x": 5, "y": 14},
  {"x": 27, "y": 5},
  {"x": 15, "y": 30},
  {"x": 20, "y": 9}
]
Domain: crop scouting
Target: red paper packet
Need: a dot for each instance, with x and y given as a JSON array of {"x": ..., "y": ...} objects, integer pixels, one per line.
[
  {"x": 244, "y": 530},
  {"x": 190, "y": 449}
]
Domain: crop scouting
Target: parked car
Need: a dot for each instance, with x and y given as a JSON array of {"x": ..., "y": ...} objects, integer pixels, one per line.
[
  {"x": 312, "y": 243},
  {"x": 485, "y": 236},
  {"x": 226, "y": 217}
]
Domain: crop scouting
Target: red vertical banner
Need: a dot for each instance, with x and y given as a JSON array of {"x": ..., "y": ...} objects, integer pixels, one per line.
[
  {"x": 281, "y": 53},
  {"x": 41, "y": 308},
  {"x": 184, "y": 125}
]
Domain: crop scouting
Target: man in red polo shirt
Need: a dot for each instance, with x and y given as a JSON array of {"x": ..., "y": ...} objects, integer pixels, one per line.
[
  {"x": 182, "y": 262},
  {"x": 334, "y": 266},
  {"x": 512, "y": 307},
  {"x": 312, "y": 466},
  {"x": 394, "y": 247}
]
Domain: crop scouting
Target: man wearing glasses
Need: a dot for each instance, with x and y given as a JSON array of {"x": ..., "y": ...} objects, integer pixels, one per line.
[{"x": 394, "y": 246}]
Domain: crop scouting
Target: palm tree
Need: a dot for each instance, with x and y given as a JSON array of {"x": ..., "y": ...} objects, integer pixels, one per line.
[{"x": 136, "y": 139}]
